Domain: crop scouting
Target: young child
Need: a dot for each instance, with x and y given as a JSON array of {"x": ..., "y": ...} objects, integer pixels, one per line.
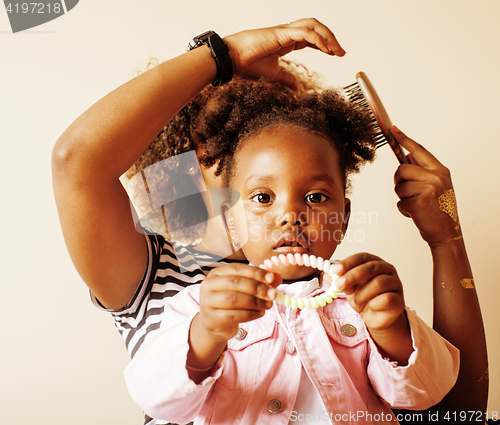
[{"x": 226, "y": 354}]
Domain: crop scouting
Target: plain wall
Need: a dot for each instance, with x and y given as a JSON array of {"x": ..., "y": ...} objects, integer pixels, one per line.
[{"x": 434, "y": 64}]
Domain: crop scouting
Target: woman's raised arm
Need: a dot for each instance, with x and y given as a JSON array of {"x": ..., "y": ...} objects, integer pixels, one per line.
[
  {"x": 107, "y": 139},
  {"x": 427, "y": 196}
]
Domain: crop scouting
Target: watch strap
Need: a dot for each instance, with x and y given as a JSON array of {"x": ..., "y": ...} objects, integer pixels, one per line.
[{"x": 220, "y": 53}]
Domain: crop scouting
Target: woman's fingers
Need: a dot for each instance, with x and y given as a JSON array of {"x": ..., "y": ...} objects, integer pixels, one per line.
[
  {"x": 419, "y": 154},
  {"x": 430, "y": 187},
  {"x": 419, "y": 189},
  {"x": 327, "y": 36},
  {"x": 256, "y": 52},
  {"x": 426, "y": 193},
  {"x": 287, "y": 79},
  {"x": 300, "y": 38}
]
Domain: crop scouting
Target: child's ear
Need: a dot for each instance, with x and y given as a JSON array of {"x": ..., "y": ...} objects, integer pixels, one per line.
[
  {"x": 347, "y": 214},
  {"x": 229, "y": 224}
]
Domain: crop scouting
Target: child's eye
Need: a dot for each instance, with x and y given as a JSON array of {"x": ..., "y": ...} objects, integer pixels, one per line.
[
  {"x": 316, "y": 198},
  {"x": 261, "y": 198}
]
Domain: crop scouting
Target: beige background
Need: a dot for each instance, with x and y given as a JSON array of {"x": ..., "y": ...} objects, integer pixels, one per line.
[{"x": 434, "y": 63}]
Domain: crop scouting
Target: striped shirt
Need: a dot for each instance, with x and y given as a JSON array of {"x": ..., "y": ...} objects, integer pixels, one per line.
[{"x": 171, "y": 268}]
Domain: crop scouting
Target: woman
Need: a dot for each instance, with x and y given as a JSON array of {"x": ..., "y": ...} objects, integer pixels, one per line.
[{"x": 111, "y": 256}]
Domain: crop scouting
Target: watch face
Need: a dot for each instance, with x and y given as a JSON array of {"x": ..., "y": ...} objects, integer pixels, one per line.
[
  {"x": 199, "y": 40},
  {"x": 204, "y": 37},
  {"x": 193, "y": 44}
]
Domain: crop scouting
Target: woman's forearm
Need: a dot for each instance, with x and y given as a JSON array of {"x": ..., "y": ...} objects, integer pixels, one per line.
[
  {"x": 457, "y": 317},
  {"x": 110, "y": 136}
]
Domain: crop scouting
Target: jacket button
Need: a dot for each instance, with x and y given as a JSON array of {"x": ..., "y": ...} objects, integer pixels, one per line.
[
  {"x": 289, "y": 347},
  {"x": 274, "y": 406},
  {"x": 241, "y": 334},
  {"x": 348, "y": 330}
]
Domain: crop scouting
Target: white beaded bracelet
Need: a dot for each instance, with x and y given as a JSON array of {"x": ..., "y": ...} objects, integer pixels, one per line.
[{"x": 308, "y": 261}]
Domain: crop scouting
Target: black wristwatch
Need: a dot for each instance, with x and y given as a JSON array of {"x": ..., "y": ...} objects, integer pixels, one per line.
[{"x": 220, "y": 52}]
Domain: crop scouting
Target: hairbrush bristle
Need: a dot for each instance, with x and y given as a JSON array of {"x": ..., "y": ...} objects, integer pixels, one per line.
[{"x": 356, "y": 96}]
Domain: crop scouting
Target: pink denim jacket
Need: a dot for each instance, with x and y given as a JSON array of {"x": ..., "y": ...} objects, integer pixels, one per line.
[{"x": 258, "y": 378}]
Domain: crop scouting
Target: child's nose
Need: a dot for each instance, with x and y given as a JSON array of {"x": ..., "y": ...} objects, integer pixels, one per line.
[{"x": 294, "y": 218}]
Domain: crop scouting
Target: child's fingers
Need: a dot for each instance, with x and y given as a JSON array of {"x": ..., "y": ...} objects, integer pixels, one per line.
[
  {"x": 352, "y": 261},
  {"x": 237, "y": 300},
  {"x": 383, "y": 310},
  {"x": 246, "y": 270},
  {"x": 375, "y": 291},
  {"x": 419, "y": 154},
  {"x": 358, "y": 269},
  {"x": 235, "y": 316},
  {"x": 387, "y": 301},
  {"x": 243, "y": 278}
]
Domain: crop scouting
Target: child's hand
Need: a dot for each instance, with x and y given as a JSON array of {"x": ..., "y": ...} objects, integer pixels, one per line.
[
  {"x": 233, "y": 294},
  {"x": 420, "y": 185},
  {"x": 374, "y": 290},
  {"x": 255, "y": 53}
]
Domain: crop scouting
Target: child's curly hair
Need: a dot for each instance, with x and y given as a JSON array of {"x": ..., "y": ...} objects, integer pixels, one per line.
[{"x": 218, "y": 119}]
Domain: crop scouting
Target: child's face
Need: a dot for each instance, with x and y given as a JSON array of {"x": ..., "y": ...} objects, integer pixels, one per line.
[{"x": 292, "y": 191}]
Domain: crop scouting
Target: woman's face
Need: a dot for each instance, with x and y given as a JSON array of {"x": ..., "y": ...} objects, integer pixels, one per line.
[{"x": 293, "y": 196}]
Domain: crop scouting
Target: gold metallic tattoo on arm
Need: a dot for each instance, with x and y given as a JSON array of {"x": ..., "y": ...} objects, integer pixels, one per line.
[
  {"x": 467, "y": 283},
  {"x": 448, "y": 204}
]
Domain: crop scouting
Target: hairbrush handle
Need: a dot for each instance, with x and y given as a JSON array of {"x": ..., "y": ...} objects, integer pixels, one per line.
[{"x": 381, "y": 115}]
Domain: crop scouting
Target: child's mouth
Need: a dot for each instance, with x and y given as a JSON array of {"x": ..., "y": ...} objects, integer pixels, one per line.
[{"x": 290, "y": 244}]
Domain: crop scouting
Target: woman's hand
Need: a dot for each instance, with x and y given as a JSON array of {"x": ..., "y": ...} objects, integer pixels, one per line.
[
  {"x": 255, "y": 53},
  {"x": 233, "y": 294},
  {"x": 426, "y": 192},
  {"x": 373, "y": 289}
]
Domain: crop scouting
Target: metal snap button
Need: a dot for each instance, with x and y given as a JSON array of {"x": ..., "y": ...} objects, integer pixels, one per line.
[
  {"x": 274, "y": 406},
  {"x": 348, "y": 330},
  {"x": 241, "y": 334},
  {"x": 289, "y": 347}
]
